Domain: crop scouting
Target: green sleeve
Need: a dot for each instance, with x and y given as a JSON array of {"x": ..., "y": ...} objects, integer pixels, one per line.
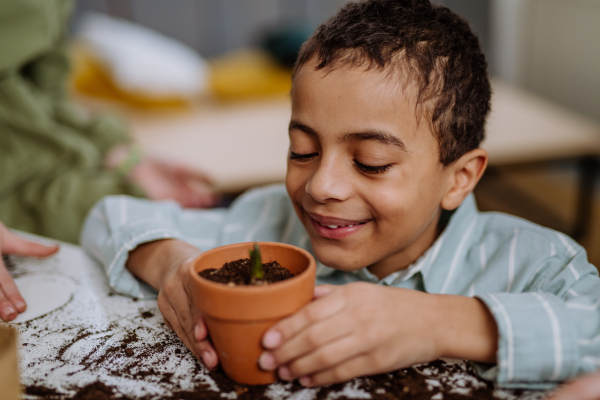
[{"x": 51, "y": 155}]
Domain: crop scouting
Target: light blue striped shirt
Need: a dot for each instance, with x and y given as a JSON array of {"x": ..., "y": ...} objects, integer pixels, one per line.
[{"x": 537, "y": 283}]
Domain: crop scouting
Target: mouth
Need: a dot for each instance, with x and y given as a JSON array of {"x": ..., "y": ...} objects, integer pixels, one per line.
[{"x": 336, "y": 228}]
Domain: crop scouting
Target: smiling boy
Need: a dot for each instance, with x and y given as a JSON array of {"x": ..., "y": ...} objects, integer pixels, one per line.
[{"x": 389, "y": 102}]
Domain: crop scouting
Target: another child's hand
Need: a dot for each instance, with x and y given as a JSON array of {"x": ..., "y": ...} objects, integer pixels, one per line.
[
  {"x": 352, "y": 330},
  {"x": 11, "y": 301},
  {"x": 162, "y": 180}
]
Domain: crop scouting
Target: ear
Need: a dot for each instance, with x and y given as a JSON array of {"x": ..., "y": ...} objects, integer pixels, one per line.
[{"x": 463, "y": 175}]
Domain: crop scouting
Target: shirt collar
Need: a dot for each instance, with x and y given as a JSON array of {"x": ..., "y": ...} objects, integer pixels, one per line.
[
  {"x": 438, "y": 265},
  {"x": 450, "y": 248}
]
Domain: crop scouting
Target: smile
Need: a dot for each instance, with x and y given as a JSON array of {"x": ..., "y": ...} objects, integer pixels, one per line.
[{"x": 335, "y": 228}]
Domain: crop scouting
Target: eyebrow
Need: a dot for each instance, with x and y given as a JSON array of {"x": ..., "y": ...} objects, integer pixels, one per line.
[{"x": 376, "y": 135}]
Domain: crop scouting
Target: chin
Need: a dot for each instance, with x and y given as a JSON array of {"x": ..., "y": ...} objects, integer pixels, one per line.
[{"x": 337, "y": 258}]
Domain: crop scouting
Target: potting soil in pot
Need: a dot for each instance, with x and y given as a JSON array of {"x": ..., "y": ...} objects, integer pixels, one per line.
[{"x": 238, "y": 273}]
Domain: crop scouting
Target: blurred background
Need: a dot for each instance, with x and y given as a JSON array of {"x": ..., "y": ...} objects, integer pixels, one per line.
[
  {"x": 547, "y": 46},
  {"x": 543, "y": 54}
]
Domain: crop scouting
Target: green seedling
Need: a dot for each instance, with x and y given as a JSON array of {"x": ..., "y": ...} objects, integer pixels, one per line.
[{"x": 256, "y": 270}]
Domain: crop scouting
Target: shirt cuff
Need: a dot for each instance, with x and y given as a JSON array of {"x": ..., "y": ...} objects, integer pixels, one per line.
[
  {"x": 537, "y": 339},
  {"x": 128, "y": 238}
]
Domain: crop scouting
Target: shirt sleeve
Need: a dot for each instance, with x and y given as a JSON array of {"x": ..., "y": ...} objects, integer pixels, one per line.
[
  {"x": 549, "y": 331},
  {"x": 118, "y": 224}
]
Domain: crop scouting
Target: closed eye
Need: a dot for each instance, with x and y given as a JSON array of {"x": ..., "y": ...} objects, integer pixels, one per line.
[
  {"x": 302, "y": 157},
  {"x": 372, "y": 169}
]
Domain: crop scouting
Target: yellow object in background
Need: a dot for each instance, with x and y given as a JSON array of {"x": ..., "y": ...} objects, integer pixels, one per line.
[
  {"x": 248, "y": 73},
  {"x": 90, "y": 77},
  {"x": 241, "y": 74}
]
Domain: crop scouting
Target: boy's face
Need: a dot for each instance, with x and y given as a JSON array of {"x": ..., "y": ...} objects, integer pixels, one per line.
[{"x": 364, "y": 176}]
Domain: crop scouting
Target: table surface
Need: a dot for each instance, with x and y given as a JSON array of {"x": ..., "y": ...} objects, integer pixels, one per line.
[
  {"x": 245, "y": 144},
  {"x": 102, "y": 341}
]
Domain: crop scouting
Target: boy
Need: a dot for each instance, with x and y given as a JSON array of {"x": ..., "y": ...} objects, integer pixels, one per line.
[{"x": 389, "y": 102}]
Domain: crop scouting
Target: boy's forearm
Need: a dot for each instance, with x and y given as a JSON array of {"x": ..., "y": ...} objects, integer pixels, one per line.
[
  {"x": 152, "y": 261},
  {"x": 466, "y": 329}
]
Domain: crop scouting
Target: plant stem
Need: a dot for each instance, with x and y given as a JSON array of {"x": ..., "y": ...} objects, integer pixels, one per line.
[{"x": 256, "y": 270}]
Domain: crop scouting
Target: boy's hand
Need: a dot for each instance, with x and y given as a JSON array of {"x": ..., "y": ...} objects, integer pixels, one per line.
[
  {"x": 352, "y": 330},
  {"x": 164, "y": 265},
  {"x": 586, "y": 387},
  {"x": 363, "y": 329},
  {"x": 182, "y": 317},
  {"x": 11, "y": 301}
]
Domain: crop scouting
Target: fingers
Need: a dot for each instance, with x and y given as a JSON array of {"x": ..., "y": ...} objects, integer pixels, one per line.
[
  {"x": 316, "y": 324},
  {"x": 13, "y": 244},
  {"x": 586, "y": 387},
  {"x": 194, "y": 176},
  {"x": 172, "y": 321},
  {"x": 316, "y": 311},
  {"x": 173, "y": 304},
  {"x": 167, "y": 323},
  {"x": 180, "y": 315},
  {"x": 323, "y": 290},
  {"x": 357, "y": 366},
  {"x": 11, "y": 301},
  {"x": 199, "y": 331},
  {"x": 182, "y": 171},
  {"x": 189, "y": 174},
  {"x": 196, "y": 196},
  {"x": 205, "y": 347},
  {"x": 303, "y": 345},
  {"x": 202, "y": 349},
  {"x": 323, "y": 358},
  {"x": 7, "y": 309}
]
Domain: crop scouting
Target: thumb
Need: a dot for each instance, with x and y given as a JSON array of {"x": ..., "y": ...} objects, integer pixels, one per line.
[{"x": 13, "y": 244}]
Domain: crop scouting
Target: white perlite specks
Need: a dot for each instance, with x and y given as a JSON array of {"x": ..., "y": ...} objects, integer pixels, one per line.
[{"x": 100, "y": 341}]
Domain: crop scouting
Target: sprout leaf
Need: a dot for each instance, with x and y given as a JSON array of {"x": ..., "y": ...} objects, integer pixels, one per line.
[{"x": 256, "y": 270}]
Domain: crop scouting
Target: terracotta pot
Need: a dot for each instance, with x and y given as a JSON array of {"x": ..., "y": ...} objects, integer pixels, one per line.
[{"x": 238, "y": 316}]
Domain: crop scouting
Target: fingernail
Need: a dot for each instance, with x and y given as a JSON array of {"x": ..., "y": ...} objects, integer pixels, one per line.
[
  {"x": 305, "y": 381},
  {"x": 207, "y": 358},
  {"x": 322, "y": 290},
  {"x": 285, "y": 373},
  {"x": 198, "y": 332},
  {"x": 8, "y": 311},
  {"x": 20, "y": 305},
  {"x": 272, "y": 339},
  {"x": 267, "y": 361}
]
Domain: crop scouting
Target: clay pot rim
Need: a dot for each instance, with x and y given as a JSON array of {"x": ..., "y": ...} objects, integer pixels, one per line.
[{"x": 277, "y": 286}]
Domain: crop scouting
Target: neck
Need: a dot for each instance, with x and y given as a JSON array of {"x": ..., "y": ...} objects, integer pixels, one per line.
[{"x": 410, "y": 253}]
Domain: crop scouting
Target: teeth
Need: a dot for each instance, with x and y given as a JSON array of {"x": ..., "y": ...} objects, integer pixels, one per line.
[
  {"x": 339, "y": 226},
  {"x": 350, "y": 226},
  {"x": 332, "y": 226}
]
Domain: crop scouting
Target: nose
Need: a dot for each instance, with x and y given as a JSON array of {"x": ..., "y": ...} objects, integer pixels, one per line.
[{"x": 330, "y": 181}]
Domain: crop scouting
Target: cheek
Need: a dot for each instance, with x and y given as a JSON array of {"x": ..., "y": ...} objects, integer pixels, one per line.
[
  {"x": 295, "y": 181},
  {"x": 405, "y": 200}
]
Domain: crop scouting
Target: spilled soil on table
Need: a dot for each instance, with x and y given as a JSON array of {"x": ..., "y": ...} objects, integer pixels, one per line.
[
  {"x": 407, "y": 383},
  {"x": 138, "y": 355},
  {"x": 435, "y": 380}
]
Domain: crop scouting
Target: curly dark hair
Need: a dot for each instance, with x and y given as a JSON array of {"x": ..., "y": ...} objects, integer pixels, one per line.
[{"x": 432, "y": 44}]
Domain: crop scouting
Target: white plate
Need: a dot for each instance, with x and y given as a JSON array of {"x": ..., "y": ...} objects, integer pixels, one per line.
[{"x": 43, "y": 294}]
